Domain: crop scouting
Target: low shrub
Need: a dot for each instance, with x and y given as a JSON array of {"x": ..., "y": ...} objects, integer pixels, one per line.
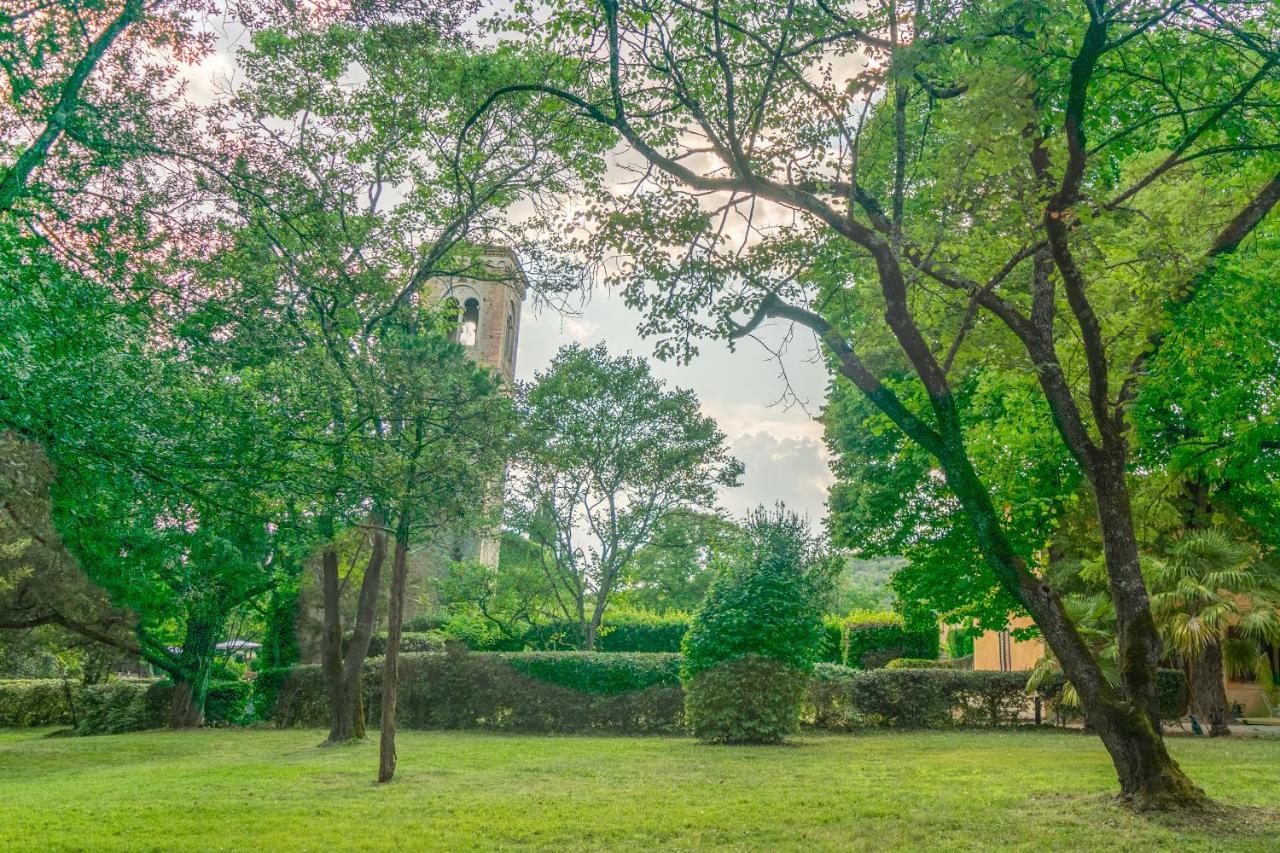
[
  {"x": 228, "y": 702},
  {"x": 38, "y": 702},
  {"x": 125, "y": 705},
  {"x": 635, "y": 631},
  {"x": 1171, "y": 688},
  {"x": 832, "y": 640},
  {"x": 750, "y": 699},
  {"x": 918, "y": 663},
  {"x": 871, "y": 639}
]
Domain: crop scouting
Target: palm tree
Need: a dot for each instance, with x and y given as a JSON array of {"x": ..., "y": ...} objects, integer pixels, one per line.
[{"x": 1214, "y": 600}]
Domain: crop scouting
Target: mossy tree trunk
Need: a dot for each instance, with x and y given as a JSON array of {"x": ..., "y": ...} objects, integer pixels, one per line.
[{"x": 191, "y": 674}]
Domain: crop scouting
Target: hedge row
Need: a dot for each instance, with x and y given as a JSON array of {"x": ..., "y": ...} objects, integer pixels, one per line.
[
  {"x": 840, "y": 698},
  {"x": 640, "y": 693},
  {"x": 113, "y": 707},
  {"x": 550, "y": 692},
  {"x": 867, "y": 639},
  {"x": 523, "y": 691},
  {"x": 623, "y": 631}
]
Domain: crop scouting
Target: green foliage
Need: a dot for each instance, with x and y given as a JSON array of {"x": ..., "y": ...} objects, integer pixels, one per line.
[
  {"x": 125, "y": 705},
  {"x": 844, "y": 698},
  {"x": 672, "y": 572},
  {"x": 606, "y": 453},
  {"x": 865, "y": 584},
  {"x": 767, "y": 602},
  {"x": 871, "y": 639},
  {"x": 410, "y": 641},
  {"x": 115, "y": 706},
  {"x": 959, "y": 643},
  {"x": 228, "y": 702},
  {"x": 622, "y": 631},
  {"x": 757, "y": 633},
  {"x": 918, "y": 663},
  {"x": 635, "y": 631},
  {"x": 1171, "y": 690},
  {"x": 37, "y": 702},
  {"x": 747, "y": 699},
  {"x": 531, "y": 691},
  {"x": 1212, "y": 587},
  {"x": 597, "y": 672}
]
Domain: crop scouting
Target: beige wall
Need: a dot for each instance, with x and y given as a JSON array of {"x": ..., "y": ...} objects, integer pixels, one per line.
[{"x": 1022, "y": 654}]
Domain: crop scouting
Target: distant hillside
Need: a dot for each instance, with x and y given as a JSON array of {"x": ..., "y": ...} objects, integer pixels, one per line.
[{"x": 864, "y": 584}]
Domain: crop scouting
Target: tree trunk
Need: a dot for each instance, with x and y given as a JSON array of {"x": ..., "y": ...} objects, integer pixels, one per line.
[
  {"x": 191, "y": 678},
  {"x": 1208, "y": 692},
  {"x": 1129, "y": 728},
  {"x": 1149, "y": 777},
  {"x": 1137, "y": 638},
  {"x": 343, "y": 673},
  {"x": 391, "y": 663}
]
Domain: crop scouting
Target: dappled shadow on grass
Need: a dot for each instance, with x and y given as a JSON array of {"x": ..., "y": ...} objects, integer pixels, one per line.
[
  {"x": 1215, "y": 823},
  {"x": 1221, "y": 820}
]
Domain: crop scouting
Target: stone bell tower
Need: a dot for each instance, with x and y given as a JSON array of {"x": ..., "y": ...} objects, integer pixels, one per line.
[{"x": 488, "y": 305}]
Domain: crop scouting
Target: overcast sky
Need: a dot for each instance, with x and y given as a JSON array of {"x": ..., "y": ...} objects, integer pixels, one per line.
[{"x": 779, "y": 442}]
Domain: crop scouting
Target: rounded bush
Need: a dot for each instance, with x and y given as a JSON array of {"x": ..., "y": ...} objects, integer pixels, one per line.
[
  {"x": 761, "y": 620},
  {"x": 751, "y": 699}
]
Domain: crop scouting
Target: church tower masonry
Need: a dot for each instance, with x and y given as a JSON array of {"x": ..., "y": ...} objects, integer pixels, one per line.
[{"x": 488, "y": 307}]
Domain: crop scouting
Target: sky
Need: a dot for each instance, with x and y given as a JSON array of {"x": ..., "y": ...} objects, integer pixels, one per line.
[
  {"x": 777, "y": 439},
  {"x": 766, "y": 408}
]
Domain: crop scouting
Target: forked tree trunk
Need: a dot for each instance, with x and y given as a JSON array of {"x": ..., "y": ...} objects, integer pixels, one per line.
[
  {"x": 343, "y": 672},
  {"x": 391, "y": 663},
  {"x": 1208, "y": 692}
]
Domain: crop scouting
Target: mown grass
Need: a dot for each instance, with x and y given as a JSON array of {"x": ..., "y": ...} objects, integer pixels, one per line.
[{"x": 275, "y": 790}]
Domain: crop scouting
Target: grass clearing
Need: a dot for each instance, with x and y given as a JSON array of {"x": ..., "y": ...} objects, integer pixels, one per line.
[{"x": 275, "y": 790}]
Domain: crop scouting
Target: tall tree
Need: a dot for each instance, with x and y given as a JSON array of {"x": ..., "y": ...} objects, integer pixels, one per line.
[
  {"x": 607, "y": 454},
  {"x": 999, "y": 183},
  {"x": 348, "y": 204}
]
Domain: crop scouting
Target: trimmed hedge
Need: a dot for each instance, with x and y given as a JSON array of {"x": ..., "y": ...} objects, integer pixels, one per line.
[
  {"x": 869, "y": 640},
  {"x": 519, "y": 691},
  {"x": 38, "y": 702},
  {"x": 842, "y": 698},
  {"x": 611, "y": 674},
  {"x": 410, "y": 641},
  {"x": 751, "y": 699},
  {"x": 918, "y": 663},
  {"x": 127, "y": 705},
  {"x": 113, "y": 707}
]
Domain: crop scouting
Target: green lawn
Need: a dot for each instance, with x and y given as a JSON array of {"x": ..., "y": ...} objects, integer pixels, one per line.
[{"x": 274, "y": 790}]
